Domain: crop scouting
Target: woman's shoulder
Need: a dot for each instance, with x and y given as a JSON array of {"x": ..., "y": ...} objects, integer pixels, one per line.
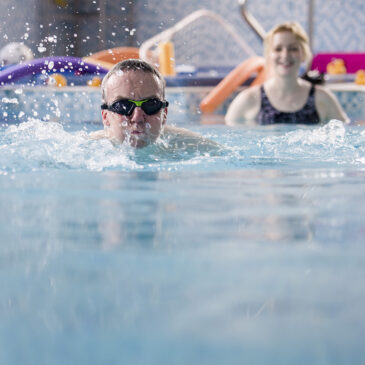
[
  {"x": 248, "y": 95},
  {"x": 328, "y": 106},
  {"x": 251, "y": 92},
  {"x": 323, "y": 92},
  {"x": 244, "y": 106},
  {"x": 325, "y": 96}
]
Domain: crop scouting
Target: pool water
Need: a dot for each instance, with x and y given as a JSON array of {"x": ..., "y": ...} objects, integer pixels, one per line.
[{"x": 252, "y": 254}]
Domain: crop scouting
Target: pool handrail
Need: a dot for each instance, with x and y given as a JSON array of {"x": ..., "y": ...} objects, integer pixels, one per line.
[
  {"x": 260, "y": 31},
  {"x": 168, "y": 34},
  {"x": 251, "y": 20}
]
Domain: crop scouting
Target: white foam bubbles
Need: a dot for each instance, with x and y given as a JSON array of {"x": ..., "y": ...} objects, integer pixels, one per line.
[{"x": 37, "y": 144}]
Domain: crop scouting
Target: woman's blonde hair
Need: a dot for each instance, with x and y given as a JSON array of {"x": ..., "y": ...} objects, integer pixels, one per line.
[{"x": 299, "y": 33}]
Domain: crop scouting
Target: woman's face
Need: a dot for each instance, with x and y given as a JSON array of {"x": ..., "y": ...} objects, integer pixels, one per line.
[{"x": 286, "y": 54}]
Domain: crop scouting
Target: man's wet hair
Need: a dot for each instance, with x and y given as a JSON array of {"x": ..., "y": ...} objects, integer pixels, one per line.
[{"x": 132, "y": 65}]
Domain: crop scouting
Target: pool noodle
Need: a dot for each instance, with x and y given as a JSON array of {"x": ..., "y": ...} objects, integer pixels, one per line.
[
  {"x": 60, "y": 63},
  {"x": 233, "y": 80}
]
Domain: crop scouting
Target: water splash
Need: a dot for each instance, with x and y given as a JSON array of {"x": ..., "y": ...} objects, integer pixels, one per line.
[
  {"x": 39, "y": 145},
  {"x": 333, "y": 143}
]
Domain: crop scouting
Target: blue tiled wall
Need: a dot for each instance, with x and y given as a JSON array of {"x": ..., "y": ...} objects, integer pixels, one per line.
[
  {"x": 209, "y": 43},
  {"x": 338, "y": 24}
]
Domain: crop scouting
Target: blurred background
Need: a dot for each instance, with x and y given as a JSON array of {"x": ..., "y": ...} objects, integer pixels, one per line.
[{"x": 82, "y": 27}]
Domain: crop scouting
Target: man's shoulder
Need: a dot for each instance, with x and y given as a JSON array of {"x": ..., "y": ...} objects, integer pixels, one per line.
[
  {"x": 172, "y": 131},
  {"x": 97, "y": 134},
  {"x": 181, "y": 138}
]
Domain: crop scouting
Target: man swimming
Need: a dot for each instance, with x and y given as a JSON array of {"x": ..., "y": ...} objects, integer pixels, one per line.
[{"x": 134, "y": 109}]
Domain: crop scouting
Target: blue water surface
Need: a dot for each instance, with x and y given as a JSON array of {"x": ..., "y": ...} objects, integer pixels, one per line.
[{"x": 251, "y": 254}]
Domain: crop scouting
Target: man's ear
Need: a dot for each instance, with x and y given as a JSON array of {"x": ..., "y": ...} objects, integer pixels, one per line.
[
  {"x": 104, "y": 115},
  {"x": 164, "y": 116}
]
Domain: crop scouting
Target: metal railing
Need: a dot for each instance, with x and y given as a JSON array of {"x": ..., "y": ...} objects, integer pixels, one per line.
[
  {"x": 150, "y": 45},
  {"x": 251, "y": 20},
  {"x": 260, "y": 31}
]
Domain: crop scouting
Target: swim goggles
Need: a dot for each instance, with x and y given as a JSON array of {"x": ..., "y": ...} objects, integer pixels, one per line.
[{"x": 127, "y": 106}]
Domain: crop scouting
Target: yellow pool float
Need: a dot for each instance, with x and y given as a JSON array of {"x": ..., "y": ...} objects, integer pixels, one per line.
[
  {"x": 57, "y": 80},
  {"x": 336, "y": 67},
  {"x": 360, "y": 77}
]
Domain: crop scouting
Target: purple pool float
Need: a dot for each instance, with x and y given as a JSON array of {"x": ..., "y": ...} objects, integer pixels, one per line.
[{"x": 49, "y": 65}]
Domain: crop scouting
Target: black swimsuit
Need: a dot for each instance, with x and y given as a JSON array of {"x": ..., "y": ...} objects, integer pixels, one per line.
[{"x": 269, "y": 115}]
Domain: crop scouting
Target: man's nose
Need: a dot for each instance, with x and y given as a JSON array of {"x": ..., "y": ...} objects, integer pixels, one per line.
[{"x": 138, "y": 115}]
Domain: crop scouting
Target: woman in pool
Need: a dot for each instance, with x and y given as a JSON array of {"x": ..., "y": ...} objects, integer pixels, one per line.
[{"x": 285, "y": 97}]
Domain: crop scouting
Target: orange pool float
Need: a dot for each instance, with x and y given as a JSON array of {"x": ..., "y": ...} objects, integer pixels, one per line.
[
  {"x": 109, "y": 57},
  {"x": 233, "y": 80}
]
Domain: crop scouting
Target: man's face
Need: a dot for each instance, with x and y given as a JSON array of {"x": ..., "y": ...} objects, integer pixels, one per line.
[{"x": 137, "y": 129}]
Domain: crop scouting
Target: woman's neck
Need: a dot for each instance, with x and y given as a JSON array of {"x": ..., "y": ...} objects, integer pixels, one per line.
[{"x": 284, "y": 85}]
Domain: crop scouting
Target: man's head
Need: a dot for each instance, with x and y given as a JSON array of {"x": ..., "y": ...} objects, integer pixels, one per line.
[{"x": 134, "y": 108}]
